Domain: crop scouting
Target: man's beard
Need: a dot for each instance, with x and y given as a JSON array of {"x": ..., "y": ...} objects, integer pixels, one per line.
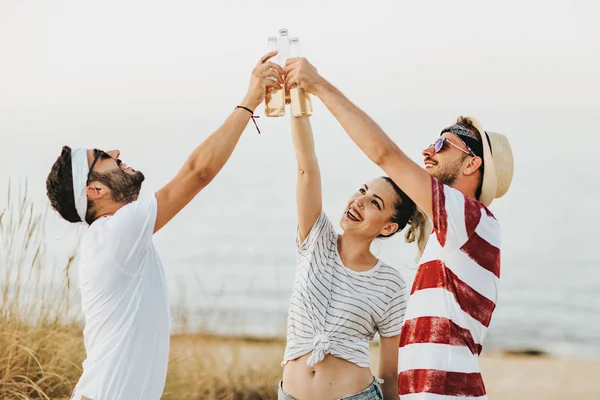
[
  {"x": 124, "y": 188},
  {"x": 450, "y": 173}
]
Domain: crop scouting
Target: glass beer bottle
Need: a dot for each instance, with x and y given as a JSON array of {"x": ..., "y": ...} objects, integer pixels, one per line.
[
  {"x": 301, "y": 104},
  {"x": 274, "y": 98},
  {"x": 283, "y": 54}
]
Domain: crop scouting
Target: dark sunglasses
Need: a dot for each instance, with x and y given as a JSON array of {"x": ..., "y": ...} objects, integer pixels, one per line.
[
  {"x": 439, "y": 146},
  {"x": 102, "y": 155}
]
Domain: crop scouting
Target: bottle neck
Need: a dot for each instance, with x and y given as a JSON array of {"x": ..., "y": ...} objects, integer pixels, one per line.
[{"x": 284, "y": 49}]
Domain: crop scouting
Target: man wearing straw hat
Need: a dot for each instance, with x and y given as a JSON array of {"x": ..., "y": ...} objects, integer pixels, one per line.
[
  {"x": 122, "y": 282},
  {"x": 456, "y": 286}
]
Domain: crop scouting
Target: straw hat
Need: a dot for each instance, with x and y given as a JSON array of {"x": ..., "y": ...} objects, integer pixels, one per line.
[{"x": 498, "y": 164}]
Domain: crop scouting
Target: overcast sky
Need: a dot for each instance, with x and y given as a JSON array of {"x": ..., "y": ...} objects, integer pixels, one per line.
[{"x": 150, "y": 77}]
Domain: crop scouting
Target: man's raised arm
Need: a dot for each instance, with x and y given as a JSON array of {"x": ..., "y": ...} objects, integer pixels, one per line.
[
  {"x": 210, "y": 156},
  {"x": 372, "y": 140}
]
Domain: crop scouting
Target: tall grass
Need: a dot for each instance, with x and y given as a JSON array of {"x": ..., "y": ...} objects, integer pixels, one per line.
[{"x": 41, "y": 343}]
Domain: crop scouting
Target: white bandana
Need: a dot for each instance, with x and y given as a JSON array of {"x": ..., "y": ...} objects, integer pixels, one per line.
[{"x": 81, "y": 169}]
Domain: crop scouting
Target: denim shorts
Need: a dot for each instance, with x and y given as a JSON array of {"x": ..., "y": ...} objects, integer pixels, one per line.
[{"x": 373, "y": 392}]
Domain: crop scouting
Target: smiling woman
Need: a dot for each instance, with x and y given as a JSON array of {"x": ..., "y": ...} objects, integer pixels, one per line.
[{"x": 343, "y": 295}]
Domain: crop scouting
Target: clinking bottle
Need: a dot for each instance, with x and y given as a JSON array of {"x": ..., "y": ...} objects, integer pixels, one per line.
[
  {"x": 300, "y": 101},
  {"x": 275, "y": 99}
]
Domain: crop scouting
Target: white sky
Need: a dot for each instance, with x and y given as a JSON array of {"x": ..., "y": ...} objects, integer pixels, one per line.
[
  {"x": 150, "y": 77},
  {"x": 125, "y": 53}
]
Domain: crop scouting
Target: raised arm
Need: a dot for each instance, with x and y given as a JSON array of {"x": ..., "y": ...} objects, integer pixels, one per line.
[
  {"x": 209, "y": 157},
  {"x": 367, "y": 135},
  {"x": 308, "y": 186}
]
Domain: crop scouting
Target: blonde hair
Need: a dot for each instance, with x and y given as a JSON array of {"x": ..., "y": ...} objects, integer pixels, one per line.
[{"x": 419, "y": 230}]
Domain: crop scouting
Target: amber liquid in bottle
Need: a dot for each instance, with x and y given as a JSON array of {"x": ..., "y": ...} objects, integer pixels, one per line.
[
  {"x": 275, "y": 99},
  {"x": 300, "y": 101}
]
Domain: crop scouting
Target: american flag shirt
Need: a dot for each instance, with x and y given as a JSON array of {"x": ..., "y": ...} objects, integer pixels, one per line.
[{"x": 451, "y": 301}]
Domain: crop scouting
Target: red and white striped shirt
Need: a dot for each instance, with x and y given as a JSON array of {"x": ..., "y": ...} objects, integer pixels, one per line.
[{"x": 451, "y": 302}]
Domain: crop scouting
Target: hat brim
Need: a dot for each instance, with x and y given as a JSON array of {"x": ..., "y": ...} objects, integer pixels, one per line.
[{"x": 489, "y": 182}]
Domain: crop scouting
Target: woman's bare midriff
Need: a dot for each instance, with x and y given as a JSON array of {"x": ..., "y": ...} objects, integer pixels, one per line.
[{"x": 330, "y": 379}]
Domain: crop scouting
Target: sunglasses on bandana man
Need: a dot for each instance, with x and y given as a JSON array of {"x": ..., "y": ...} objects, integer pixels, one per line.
[{"x": 438, "y": 146}]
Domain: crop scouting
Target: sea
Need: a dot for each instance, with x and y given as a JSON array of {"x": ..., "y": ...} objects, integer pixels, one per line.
[{"x": 230, "y": 256}]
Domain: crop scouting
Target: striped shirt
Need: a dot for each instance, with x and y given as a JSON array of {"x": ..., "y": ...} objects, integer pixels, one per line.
[
  {"x": 451, "y": 302},
  {"x": 335, "y": 310}
]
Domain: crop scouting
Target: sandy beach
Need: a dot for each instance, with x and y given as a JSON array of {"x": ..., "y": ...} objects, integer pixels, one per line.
[
  {"x": 506, "y": 376},
  {"x": 522, "y": 377}
]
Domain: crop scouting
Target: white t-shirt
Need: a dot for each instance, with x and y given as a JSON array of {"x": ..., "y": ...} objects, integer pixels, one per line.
[{"x": 125, "y": 304}]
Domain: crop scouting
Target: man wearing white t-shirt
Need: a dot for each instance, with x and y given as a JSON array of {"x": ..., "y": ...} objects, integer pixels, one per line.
[{"x": 123, "y": 288}]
